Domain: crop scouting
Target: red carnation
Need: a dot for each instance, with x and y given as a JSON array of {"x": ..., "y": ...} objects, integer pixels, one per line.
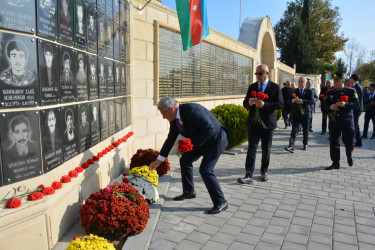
[
  {"x": 294, "y": 94},
  {"x": 100, "y": 155},
  {"x": 13, "y": 203},
  {"x": 104, "y": 151},
  {"x": 124, "y": 174},
  {"x": 35, "y": 196},
  {"x": 112, "y": 147},
  {"x": 56, "y": 185},
  {"x": 48, "y": 190},
  {"x": 130, "y": 133},
  {"x": 73, "y": 173},
  {"x": 79, "y": 169},
  {"x": 95, "y": 158},
  {"x": 40, "y": 187},
  {"x": 85, "y": 165},
  {"x": 253, "y": 93},
  {"x": 344, "y": 98},
  {"x": 90, "y": 161},
  {"x": 65, "y": 179},
  {"x": 125, "y": 180}
]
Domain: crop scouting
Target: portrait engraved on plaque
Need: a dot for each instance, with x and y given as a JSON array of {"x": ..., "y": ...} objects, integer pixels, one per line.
[
  {"x": 20, "y": 146},
  {"x": 48, "y": 72},
  {"x": 47, "y": 18},
  {"x": 110, "y": 81},
  {"x": 67, "y": 77},
  {"x": 127, "y": 78},
  {"x": 19, "y": 86},
  {"x": 103, "y": 120},
  {"x": 103, "y": 92},
  {"x": 65, "y": 29},
  {"x": 93, "y": 77},
  {"x": 70, "y": 130},
  {"x": 109, "y": 39},
  {"x": 122, "y": 79},
  {"x": 84, "y": 127},
  {"x": 92, "y": 30},
  {"x": 80, "y": 24},
  {"x": 118, "y": 115},
  {"x": 117, "y": 78},
  {"x": 116, "y": 44},
  {"x": 116, "y": 11},
  {"x": 18, "y": 15},
  {"x": 125, "y": 15},
  {"x": 51, "y": 126},
  {"x": 111, "y": 118},
  {"x": 123, "y": 113},
  {"x": 124, "y": 45},
  {"x": 128, "y": 111},
  {"x": 102, "y": 31},
  {"x": 94, "y": 122},
  {"x": 81, "y": 76}
]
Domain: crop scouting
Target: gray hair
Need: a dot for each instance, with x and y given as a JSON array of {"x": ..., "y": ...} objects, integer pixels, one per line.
[
  {"x": 303, "y": 78},
  {"x": 167, "y": 101}
]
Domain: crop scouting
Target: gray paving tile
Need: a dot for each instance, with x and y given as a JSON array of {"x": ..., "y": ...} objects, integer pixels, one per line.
[
  {"x": 199, "y": 237},
  {"x": 212, "y": 245},
  {"x": 314, "y": 246},
  {"x": 247, "y": 238},
  {"x": 266, "y": 246},
  {"x": 343, "y": 246},
  {"x": 273, "y": 229},
  {"x": 345, "y": 238},
  {"x": 320, "y": 238},
  {"x": 208, "y": 229},
  {"x": 366, "y": 238},
  {"x": 275, "y": 239},
  {"x": 224, "y": 238},
  {"x": 254, "y": 230},
  {"x": 162, "y": 244},
  {"x": 187, "y": 245},
  {"x": 240, "y": 246},
  {"x": 296, "y": 238}
]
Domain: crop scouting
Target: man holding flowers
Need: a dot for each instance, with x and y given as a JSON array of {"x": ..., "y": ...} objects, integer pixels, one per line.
[
  {"x": 340, "y": 103},
  {"x": 262, "y": 99}
]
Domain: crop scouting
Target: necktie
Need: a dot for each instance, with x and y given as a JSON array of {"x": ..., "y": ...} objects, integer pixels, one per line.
[
  {"x": 179, "y": 126},
  {"x": 261, "y": 87},
  {"x": 301, "y": 91}
]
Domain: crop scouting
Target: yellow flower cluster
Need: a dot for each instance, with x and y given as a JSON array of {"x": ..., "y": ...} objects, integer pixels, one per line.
[
  {"x": 152, "y": 176},
  {"x": 90, "y": 242}
]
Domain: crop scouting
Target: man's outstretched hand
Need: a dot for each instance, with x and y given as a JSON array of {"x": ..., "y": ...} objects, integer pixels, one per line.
[{"x": 155, "y": 164}]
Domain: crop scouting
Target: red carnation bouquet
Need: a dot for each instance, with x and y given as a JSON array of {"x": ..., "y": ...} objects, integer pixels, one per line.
[
  {"x": 145, "y": 157},
  {"x": 299, "y": 105},
  {"x": 184, "y": 146},
  {"x": 259, "y": 96},
  {"x": 332, "y": 113}
]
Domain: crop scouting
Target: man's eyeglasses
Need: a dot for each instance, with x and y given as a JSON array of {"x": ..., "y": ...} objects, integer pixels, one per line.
[{"x": 259, "y": 74}]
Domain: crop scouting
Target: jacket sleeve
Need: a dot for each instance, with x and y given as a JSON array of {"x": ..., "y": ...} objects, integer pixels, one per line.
[
  {"x": 205, "y": 127},
  {"x": 169, "y": 142},
  {"x": 275, "y": 101},
  {"x": 248, "y": 95},
  {"x": 353, "y": 102},
  {"x": 308, "y": 99}
]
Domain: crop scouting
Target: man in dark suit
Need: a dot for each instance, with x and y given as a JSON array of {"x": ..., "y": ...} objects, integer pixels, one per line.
[
  {"x": 323, "y": 97},
  {"x": 209, "y": 139},
  {"x": 301, "y": 113},
  {"x": 264, "y": 129},
  {"x": 357, "y": 112},
  {"x": 341, "y": 120},
  {"x": 369, "y": 106},
  {"x": 312, "y": 106},
  {"x": 287, "y": 98}
]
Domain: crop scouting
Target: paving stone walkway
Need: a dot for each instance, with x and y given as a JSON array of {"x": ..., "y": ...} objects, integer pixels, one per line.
[{"x": 302, "y": 206}]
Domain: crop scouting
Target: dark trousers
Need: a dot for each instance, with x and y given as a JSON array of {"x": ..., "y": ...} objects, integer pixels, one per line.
[
  {"x": 358, "y": 138},
  {"x": 211, "y": 154},
  {"x": 369, "y": 117},
  {"x": 324, "y": 121},
  {"x": 286, "y": 116},
  {"x": 296, "y": 124},
  {"x": 346, "y": 130},
  {"x": 310, "y": 120},
  {"x": 255, "y": 134}
]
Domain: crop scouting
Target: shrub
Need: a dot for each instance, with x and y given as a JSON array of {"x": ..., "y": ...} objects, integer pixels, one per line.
[
  {"x": 145, "y": 157},
  {"x": 278, "y": 114},
  {"x": 233, "y": 117}
]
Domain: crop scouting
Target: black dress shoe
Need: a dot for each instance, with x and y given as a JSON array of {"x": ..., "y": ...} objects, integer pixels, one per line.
[
  {"x": 184, "y": 196},
  {"x": 304, "y": 147},
  {"x": 218, "y": 209},
  {"x": 350, "y": 162},
  {"x": 358, "y": 144},
  {"x": 373, "y": 137},
  {"x": 364, "y": 137},
  {"x": 245, "y": 180},
  {"x": 263, "y": 177},
  {"x": 332, "y": 167},
  {"x": 289, "y": 149},
  {"x": 323, "y": 133},
  {"x": 311, "y": 130}
]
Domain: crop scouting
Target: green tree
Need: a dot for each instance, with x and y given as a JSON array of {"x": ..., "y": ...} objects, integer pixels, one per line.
[
  {"x": 341, "y": 66},
  {"x": 366, "y": 71},
  {"x": 324, "y": 27}
]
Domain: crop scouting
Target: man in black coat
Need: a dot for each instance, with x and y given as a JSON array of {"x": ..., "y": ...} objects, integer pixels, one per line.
[
  {"x": 357, "y": 112},
  {"x": 341, "y": 122},
  {"x": 288, "y": 105},
  {"x": 261, "y": 127},
  {"x": 369, "y": 106},
  {"x": 209, "y": 139},
  {"x": 312, "y": 106},
  {"x": 301, "y": 113},
  {"x": 323, "y": 96}
]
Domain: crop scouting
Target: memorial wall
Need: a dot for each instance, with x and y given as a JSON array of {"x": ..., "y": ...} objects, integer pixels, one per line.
[{"x": 64, "y": 81}]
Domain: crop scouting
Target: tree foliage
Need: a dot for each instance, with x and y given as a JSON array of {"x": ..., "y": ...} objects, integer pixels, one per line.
[
  {"x": 366, "y": 71},
  {"x": 341, "y": 66},
  {"x": 324, "y": 26}
]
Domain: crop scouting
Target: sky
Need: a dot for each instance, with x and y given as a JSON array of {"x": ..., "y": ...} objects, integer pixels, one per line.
[{"x": 358, "y": 17}]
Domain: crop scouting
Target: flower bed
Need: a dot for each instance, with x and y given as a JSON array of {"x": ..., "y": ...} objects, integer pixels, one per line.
[{"x": 145, "y": 157}]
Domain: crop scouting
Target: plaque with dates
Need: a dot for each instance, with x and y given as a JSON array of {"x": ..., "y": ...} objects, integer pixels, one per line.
[
  {"x": 18, "y": 15},
  {"x": 80, "y": 24},
  {"x": 111, "y": 118},
  {"x": 102, "y": 35},
  {"x": 110, "y": 80},
  {"x": 125, "y": 15},
  {"x": 118, "y": 115},
  {"x": 92, "y": 30},
  {"x": 122, "y": 79},
  {"x": 116, "y": 44},
  {"x": 103, "y": 120},
  {"x": 20, "y": 146},
  {"x": 117, "y": 78},
  {"x": 47, "y": 18},
  {"x": 70, "y": 131},
  {"x": 102, "y": 76},
  {"x": 84, "y": 127},
  {"x": 65, "y": 10},
  {"x": 19, "y": 86},
  {"x": 128, "y": 111},
  {"x": 93, "y": 77},
  {"x": 51, "y": 127},
  {"x": 67, "y": 76},
  {"x": 124, "y": 46},
  {"x": 123, "y": 112},
  {"x": 48, "y": 58},
  {"x": 94, "y": 122},
  {"x": 81, "y": 76},
  {"x": 109, "y": 38}
]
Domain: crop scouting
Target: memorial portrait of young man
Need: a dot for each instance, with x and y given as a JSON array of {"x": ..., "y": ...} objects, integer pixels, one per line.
[
  {"x": 65, "y": 10},
  {"x": 102, "y": 35},
  {"x": 84, "y": 127},
  {"x": 70, "y": 131},
  {"x": 118, "y": 115},
  {"x": 80, "y": 24},
  {"x": 92, "y": 30},
  {"x": 67, "y": 76},
  {"x": 103, "y": 120},
  {"x": 81, "y": 76},
  {"x": 93, "y": 82},
  {"x": 111, "y": 118},
  {"x": 110, "y": 79},
  {"x": 47, "y": 18},
  {"x": 102, "y": 76},
  {"x": 94, "y": 121}
]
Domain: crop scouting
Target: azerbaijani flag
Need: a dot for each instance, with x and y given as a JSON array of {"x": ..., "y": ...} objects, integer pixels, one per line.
[{"x": 192, "y": 16}]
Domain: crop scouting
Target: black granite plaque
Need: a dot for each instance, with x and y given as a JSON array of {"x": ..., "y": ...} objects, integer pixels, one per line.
[
  {"x": 124, "y": 46},
  {"x": 1, "y": 171},
  {"x": 67, "y": 77},
  {"x": 20, "y": 146},
  {"x": 65, "y": 10},
  {"x": 101, "y": 6},
  {"x": 84, "y": 127},
  {"x": 125, "y": 15},
  {"x": 117, "y": 78},
  {"x": 92, "y": 30},
  {"x": 102, "y": 75},
  {"x": 128, "y": 111},
  {"x": 109, "y": 39},
  {"x": 81, "y": 76},
  {"x": 123, "y": 113},
  {"x": 94, "y": 121},
  {"x": 48, "y": 57},
  {"x": 92, "y": 3},
  {"x": 116, "y": 11},
  {"x": 51, "y": 126},
  {"x": 116, "y": 44},
  {"x": 18, "y": 15},
  {"x": 102, "y": 35},
  {"x": 122, "y": 79},
  {"x": 19, "y": 85},
  {"x": 93, "y": 77},
  {"x": 70, "y": 131},
  {"x": 127, "y": 78},
  {"x": 166, "y": 62},
  {"x": 103, "y": 120},
  {"x": 110, "y": 81},
  {"x": 47, "y": 19},
  {"x": 80, "y": 24},
  {"x": 109, "y": 8},
  {"x": 118, "y": 115},
  {"x": 111, "y": 118}
]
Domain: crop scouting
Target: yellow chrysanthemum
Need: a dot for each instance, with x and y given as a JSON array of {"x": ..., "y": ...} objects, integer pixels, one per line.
[
  {"x": 90, "y": 242},
  {"x": 152, "y": 176}
]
